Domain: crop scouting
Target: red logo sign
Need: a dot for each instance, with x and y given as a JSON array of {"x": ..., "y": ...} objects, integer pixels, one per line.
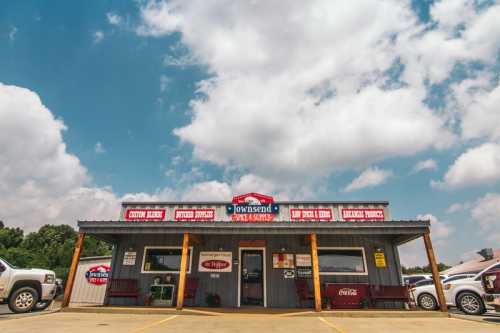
[
  {"x": 98, "y": 274},
  {"x": 145, "y": 214},
  {"x": 215, "y": 264},
  {"x": 194, "y": 214},
  {"x": 361, "y": 214},
  {"x": 252, "y": 207},
  {"x": 320, "y": 214}
]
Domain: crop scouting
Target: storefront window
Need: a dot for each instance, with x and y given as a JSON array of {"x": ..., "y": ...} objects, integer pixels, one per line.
[
  {"x": 337, "y": 261},
  {"x": 158, "y": 259}
]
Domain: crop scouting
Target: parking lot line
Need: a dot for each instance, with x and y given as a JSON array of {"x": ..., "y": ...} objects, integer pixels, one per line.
[
  {"x": 327, "y": 323},
  {"x": 156, "y": 323}
]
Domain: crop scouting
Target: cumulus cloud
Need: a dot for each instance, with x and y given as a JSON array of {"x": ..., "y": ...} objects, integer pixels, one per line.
[
  {"x": 113, "y": 18},
  {"x": 371, "y": 177},
  {"x": 99, "y": 148},
  {"x": 306, "y": 100},
  {"x": 486, "y": 212},
  {"x": 98, "y": 36},
  {"x": 12, "y": 33},
  {"x": 413, "y": 253},
  {"x": 429, "y": 164},
  {"x": 477, "y": 166}
]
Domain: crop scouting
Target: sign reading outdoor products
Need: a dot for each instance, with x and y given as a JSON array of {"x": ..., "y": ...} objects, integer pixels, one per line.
[
  {"x": 145, "y": 214},
  {"x": 98, "y": 275},
  {"x": 359, "y": 214},
  {"x": 252, "y": 207}
]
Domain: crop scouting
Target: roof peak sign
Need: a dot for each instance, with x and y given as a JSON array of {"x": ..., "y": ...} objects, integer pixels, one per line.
[{"x": 252, "y": 199}]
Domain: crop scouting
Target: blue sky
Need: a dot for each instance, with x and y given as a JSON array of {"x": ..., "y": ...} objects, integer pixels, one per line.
[{"x": 190, "y": 100}]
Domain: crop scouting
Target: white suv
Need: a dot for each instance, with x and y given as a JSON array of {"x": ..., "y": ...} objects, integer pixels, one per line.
[
  {"x": 25, "y": 290},
  {"x": 466, "y": 294}
]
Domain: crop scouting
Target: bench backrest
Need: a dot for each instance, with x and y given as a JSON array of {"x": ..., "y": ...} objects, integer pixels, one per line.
[
  {"x": 389, "y": 291},
  {"x": 122, "y": 285}
]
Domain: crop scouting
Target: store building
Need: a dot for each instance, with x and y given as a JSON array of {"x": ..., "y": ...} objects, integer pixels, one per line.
[{"x": 253, "y": 251}]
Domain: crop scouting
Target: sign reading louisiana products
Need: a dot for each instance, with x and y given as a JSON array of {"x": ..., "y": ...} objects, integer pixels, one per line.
[{"x": 360, "y": 214}]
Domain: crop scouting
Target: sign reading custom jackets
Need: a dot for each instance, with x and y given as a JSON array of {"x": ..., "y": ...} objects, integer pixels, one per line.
[
  {"x": 252, "y": 207},
  {"x": 215, "y": 262}
]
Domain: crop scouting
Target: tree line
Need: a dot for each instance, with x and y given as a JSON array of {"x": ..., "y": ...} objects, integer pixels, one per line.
[
  {"x": 51, "y": 247},
  {"x": 423, "y": 269}
]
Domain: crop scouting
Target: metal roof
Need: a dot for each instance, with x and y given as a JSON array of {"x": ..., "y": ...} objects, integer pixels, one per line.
[{"x": 153, "y": 203}]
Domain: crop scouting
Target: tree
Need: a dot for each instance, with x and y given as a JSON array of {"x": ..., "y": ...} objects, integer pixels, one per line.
[
  {"x": 10, "y": 237},
  {"x": 423, "y": 269}
]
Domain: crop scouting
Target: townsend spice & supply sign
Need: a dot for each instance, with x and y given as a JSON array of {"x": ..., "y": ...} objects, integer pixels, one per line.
[{"x": 252, "y": 207}]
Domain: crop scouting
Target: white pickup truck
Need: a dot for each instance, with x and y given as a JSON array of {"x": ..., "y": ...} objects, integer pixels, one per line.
[{"x": 25, "y": 290}]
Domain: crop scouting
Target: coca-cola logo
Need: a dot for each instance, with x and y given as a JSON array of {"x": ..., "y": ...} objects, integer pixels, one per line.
[
  {"x": 348, "y": 292},
  {"x": 215, "y": 264}
]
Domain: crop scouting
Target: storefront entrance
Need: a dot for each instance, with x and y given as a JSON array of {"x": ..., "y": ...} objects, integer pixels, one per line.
[{"x": 252, "y": 277}]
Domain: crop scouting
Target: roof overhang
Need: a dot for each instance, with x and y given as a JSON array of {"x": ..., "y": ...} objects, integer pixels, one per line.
[{"x": 400, "y": 231}]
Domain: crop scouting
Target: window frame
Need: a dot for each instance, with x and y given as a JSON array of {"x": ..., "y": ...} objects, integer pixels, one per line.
[
  {"x": 188, "y": 271},
  {"x": 345, "y": 273}
]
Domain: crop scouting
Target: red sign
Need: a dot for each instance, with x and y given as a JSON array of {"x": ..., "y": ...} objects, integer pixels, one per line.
[
  {"x": 98, "y": 275},
  {"x": 346, "y": 295},
  {"x": 324, "y": 214},
  {"x": 215, "y": 264},
  {"x": 363, "y": 214},
  {"x": 252, "y": 199},
  {"x": 145, "y": 214},
  {"x": 194, "y": 214}
]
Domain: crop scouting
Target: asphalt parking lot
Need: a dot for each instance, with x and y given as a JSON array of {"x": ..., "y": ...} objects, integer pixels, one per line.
[{"x": 241, "y": 323}]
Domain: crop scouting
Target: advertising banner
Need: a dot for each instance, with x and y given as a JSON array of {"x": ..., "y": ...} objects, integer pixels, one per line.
[
  {"x": 318, "y": 214},
  {"x": 215, "y": 262},
  {"x": 145, "y": 214},
  {"x": 363, "y": 214},
  {"x": 283, "y": 260},
  {"x": 98, "y": 275},
  {"x": 252, "y": 207},
  {"x": 194, "y": 214}
]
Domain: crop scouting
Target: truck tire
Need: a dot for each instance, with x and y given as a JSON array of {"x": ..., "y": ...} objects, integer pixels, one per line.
[
  {"x": 42, "y": 305},
  {"x": 470, "y": 303},
  {"x": 23, "y": 300}
]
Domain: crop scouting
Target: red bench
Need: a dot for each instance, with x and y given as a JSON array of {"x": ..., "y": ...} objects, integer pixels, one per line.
[
  {"x": 122, "y": 288},
  {"x": 389, "y": 293}
]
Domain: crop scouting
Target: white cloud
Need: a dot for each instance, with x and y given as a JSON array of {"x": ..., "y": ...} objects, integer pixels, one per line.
[
  {"x": 99, "y": 148},
  {"x": 299, "y": 110},
  {"x": 371, "y": 177},
  {"x": 98, "y": 36},
  {"x": 439, "y": 229},
  {"x": 113, "y": 18},
  {"x": 429, "y": 164},
  {"x": 164, "y": 82},
  {"x": 455, "y": 208},
  {"x": 477, "y": 166},
  {"x": 486, "y": 213},
  {"x": 12, "y": 33}
]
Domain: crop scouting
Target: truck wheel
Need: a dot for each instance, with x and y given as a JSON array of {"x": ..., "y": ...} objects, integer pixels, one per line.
[
  {"x": 427, "y": 302},
  {"x": 23, "y": 300},
  {"x": 41, "y": 305},
  {"x": 470, "y": 303}
]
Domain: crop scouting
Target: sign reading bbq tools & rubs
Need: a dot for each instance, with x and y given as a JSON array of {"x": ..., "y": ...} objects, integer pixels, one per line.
[{"x": 252, "y": 207}]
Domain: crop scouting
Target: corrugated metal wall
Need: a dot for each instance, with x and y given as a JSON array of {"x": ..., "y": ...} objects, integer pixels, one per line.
[
  {"x": 85, "y": 292},
  {"x": 280, "y": 291}
]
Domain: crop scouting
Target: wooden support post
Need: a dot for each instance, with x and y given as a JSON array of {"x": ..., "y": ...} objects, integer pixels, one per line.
[
  {"x": 435, "y": 273},
  {"x": 315, "y": 272},
  {"x": 72, "y": 270},
  {"x": 182, "y": 274}
]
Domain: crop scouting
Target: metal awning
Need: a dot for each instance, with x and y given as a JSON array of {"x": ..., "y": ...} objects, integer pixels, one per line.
[{"x": 401, "y": 231}]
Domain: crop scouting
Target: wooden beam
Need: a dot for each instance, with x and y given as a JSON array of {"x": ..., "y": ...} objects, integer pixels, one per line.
[
  {"x": 72, "y": 269},
  {"x": 435, "y": 273},
  {"x": 315, "y": 272},
  {"x": 182, "y": 274},
  {"x": 196, "y": 239}
]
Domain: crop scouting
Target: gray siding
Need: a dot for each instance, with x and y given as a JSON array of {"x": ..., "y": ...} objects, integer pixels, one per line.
[{"x": 280, "y": 291}]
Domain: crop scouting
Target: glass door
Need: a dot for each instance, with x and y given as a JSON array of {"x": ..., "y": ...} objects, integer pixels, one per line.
[{"x": 252, "y": 278}]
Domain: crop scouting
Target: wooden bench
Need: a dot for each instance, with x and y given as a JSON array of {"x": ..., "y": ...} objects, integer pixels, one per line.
[
  {"x": 389, "y": 293},
  {"x": 122, "y": 288}
]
